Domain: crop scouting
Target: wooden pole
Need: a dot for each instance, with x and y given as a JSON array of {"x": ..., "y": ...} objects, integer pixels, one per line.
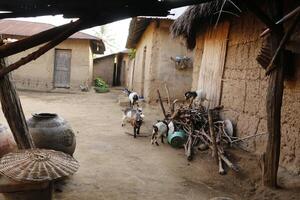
[
  {"x": 29, "y": 42},
  {"x": 168, "y": 95},
  {"x": 60, "y": 38},
  {"x": 274, "y": 103},
  {"x": 13, "y": 112},
  {"x": 213, "y": 136},
  {"x": 161, "y": 104}
]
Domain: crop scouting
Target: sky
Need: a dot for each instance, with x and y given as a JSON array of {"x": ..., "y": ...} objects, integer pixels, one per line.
[{"x": 116, "y": 32}]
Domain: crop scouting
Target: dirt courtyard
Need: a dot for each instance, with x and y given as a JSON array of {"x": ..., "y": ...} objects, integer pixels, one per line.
[{"x": 114, "y": 165}]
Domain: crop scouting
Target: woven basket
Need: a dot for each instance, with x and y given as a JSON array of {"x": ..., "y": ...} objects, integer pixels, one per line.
[{"x": 37, "y": 165}]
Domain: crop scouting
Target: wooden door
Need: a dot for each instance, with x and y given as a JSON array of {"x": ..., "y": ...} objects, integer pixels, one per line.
[
  {"x": 212, "y": 64},
  {"x": 62, "y": 68}
]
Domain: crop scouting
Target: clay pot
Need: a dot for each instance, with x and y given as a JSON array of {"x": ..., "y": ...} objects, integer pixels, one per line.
[
  {"x": 7, "y": 142},
  {"x": 49, "y": 131}
]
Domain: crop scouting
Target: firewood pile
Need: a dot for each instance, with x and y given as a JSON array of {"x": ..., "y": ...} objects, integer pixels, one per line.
[{"x": 204, "y": 130}]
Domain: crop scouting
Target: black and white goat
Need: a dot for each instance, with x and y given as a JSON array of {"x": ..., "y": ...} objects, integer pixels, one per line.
[
  {"x": 160, "y": 130},
  {"x": 198, "y": 96},
  {"x": 132, "y": 96},
  {"x": 135, "y": 117}
]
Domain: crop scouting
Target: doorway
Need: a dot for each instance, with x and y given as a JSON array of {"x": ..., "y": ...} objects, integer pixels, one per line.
[{"x": 62, "y": 68}]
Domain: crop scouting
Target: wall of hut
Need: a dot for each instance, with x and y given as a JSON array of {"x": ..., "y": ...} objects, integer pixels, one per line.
[
  {"x": 38, "y": 74},
  {"x": 104, "y": 68},
  {"x": 154, "y": 52},
  {"x": 244, "y": 87}
]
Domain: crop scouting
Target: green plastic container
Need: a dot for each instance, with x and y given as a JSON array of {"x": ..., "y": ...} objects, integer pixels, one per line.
[
  {"x": 101, "y": 89},
  {"x": 177, "y": 139}
]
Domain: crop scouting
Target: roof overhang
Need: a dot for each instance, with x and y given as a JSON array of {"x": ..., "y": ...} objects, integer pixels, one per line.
[{"x": 97, "y": 12}]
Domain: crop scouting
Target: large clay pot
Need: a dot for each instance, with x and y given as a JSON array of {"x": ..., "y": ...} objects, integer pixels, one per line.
[
  {"x": 7, "y": 142},
  {"x": 49, "y": 131}
]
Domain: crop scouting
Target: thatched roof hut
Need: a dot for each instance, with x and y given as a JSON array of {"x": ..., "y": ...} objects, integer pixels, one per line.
[
  {"x": 226, "y": 51},
  {"x": 198, "y": 16}
]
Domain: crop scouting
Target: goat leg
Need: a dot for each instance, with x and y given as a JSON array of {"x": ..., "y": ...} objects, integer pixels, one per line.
[
  {"x": 134, "y": 132},
  {"x": 221, "y": 169},
  {"x": 156, "y": 143},
  {"x": 152, "y": 138},
  {"x": 162, "y": 139}
]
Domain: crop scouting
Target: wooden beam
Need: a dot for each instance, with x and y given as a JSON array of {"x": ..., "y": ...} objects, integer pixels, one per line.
[
  {"x": 252, "y": 7},
  {"x": 32, "y": 41},
  {"x": 13, "y": 112},
  {"x": 61, "y": 37},
  {"x": 283, "y": 41},
  {"x": 274, "y": 104},
  {"x": 282, "y": 20}
]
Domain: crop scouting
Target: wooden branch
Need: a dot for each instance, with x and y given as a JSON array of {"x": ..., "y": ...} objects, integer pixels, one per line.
[
  {"x": 13, "y": 112},
  {"x": 168, "y": 95},
  {"x": 213, "y": 136},
  {"x": 161, "y": 104},
  {"x": 61, "y": 37},
  {"x": 283, "y": 41},
  {"x": 35, "y": 40},
  {"x": 260, "y": 14},
  {"x": 286, "y": 17}
]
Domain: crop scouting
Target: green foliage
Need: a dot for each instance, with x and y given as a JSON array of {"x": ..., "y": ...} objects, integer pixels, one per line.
[
  {"x": 132, "y": 53},
  {"x": 101, "y": 86}
]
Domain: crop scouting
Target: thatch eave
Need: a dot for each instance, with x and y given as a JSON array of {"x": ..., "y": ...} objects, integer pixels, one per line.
[{"x": 196, "y": 18}]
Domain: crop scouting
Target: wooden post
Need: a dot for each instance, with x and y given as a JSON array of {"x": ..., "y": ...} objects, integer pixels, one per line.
[
  {"x": 274, "y": 103},
  {"x": 161, "y": 104},
  {"x": 13, "y": 112},
  {"x": 213, "y": 136}
]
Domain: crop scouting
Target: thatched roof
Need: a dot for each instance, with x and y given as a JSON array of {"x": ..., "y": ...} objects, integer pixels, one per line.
[
  {"x": 195, "y": 17},
  {"x": 137, "y": 27}
]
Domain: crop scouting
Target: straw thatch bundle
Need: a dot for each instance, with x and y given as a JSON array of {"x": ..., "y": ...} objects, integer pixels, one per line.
[{"x": 196, "y": 17}]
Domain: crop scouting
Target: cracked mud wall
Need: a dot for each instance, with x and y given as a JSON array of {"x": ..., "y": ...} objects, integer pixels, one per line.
[{"x": 244, "y": 86}]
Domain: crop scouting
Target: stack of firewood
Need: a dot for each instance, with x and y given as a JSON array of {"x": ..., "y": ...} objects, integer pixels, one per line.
[{"x": 204, "y": 130}]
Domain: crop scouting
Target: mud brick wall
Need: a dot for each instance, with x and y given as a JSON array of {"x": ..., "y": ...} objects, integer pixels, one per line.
[{"x": 244, "y": 89}]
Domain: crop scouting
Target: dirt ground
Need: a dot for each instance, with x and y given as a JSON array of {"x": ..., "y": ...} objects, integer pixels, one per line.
[{"x": 114, "y": 165}]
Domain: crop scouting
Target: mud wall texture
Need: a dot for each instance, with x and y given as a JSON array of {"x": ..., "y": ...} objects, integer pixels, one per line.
[
  {"x": 38, "y": 74},
  {"x": 244, "y": 87},
  {"x": 153, "y": 67}
]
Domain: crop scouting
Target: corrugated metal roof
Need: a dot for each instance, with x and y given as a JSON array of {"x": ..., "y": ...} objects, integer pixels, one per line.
[{"x": 25, "y": 28}]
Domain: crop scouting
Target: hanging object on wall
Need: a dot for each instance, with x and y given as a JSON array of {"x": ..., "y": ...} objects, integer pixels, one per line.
[{"x": 182, "y": 62}]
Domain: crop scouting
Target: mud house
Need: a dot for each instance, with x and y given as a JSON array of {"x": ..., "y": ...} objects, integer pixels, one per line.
[
  {"x": 111, "y": 68},
  {"x": 225, "y": 66},
  {"x": 68, "y": 65},
  {"x": 153, "y": 53}
]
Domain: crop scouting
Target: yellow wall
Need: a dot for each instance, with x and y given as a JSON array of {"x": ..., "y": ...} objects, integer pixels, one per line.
[
  {"x": 38, "y": 74},
  {"x": 159, "y": 68}
]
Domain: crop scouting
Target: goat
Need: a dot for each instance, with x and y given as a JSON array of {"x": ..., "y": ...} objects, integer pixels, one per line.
[
  {"x": 132, "y": 96},
  {"x": 198, "y": 96},
  {"x": 160, "y": 130},
  {"x": 135, "y": 117}
]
